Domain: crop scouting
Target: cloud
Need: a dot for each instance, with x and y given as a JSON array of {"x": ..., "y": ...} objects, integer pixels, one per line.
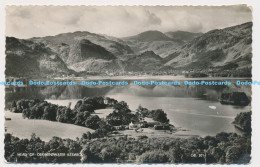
[
  {"x": 21, "y": 12},
  {"x": 152, "y": 19},
  {"x": 65, "y": 16},
  {"x": 120, "y": 21}
]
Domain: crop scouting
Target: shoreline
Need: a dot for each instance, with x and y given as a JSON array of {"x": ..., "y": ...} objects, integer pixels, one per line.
[
  {"x": 148, "y": 77},
  {"x": 43, "y": 124}
]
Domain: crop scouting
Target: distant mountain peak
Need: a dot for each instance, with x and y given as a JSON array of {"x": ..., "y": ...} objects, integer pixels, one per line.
[{"x": 149, "y": 36}]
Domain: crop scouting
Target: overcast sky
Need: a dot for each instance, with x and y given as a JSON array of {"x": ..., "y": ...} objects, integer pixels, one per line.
[{"x": 38, "y": 21}]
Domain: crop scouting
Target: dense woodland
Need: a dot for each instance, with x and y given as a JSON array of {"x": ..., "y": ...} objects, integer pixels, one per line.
[
  {"x": 81, "y": 114},
  {"x": 223, "y": 148}
]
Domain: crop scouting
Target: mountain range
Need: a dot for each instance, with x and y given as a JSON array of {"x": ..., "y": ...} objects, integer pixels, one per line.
[{"x": 82, "y": 52}]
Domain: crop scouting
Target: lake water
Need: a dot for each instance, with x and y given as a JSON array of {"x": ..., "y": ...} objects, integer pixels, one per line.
[{"x": 188, "y": 107}]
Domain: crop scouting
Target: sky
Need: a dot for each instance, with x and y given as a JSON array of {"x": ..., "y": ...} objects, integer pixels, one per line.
[{"x": 120, "y": 21}]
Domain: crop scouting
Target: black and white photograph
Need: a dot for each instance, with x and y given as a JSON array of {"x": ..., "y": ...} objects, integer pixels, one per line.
[{"x": 128, "y": 84}]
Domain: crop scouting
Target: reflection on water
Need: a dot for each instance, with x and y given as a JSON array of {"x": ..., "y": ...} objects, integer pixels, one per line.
[{"x": 186, "y": 106}]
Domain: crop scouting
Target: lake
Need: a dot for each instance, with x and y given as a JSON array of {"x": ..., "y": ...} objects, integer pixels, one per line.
[{"x": 187, "y": 107}]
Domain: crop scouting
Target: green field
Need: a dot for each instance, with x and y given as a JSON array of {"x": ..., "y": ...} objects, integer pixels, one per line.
[{"x": 23, "y": 128}]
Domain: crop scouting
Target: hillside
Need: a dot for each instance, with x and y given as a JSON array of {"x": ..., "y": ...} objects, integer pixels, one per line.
[
  {"x": 155, "y": 41},
  {"x": 147, "y": 61},
  {"x": 163, "y": 44},
  {"x": 228, "y": 48},
  {"x": 182, "y": 35},
  {"x": 26, "y": 58},
  {"x": 63, "y": 43},
  {"x": 96, "y": 65}
]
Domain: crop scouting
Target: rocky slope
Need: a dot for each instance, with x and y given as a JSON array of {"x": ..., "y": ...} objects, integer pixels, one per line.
[
  {"x": 227, "y": 48},
  {"x": 64, "y": 43},
  {"x": 83, "y": 49}
]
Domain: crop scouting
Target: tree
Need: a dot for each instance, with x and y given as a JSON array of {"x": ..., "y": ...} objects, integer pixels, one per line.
[
  {"x": 155, "y": 156},
  {"x": 143, "y": 111},
  {"x": 65, "y": 115},
  {"x": 176, "y": 155},
  {"x": 50, "y": 112},
  {"x": 233, "y": 154},
  {"x": 215, "y": 155},
  {"x": 81, "y": 117},
  {"x": 121, "y": 118},
  {"x": 222, "y": 136},
  {"x": 111, "y": 102},
  {"x": 85, "y": 107},
  {"x": 92, "y": 122},
  {"x": 86, "y": 155},
  {"x": 78, "y": 104},
  {"x": 110, "y": 153},
  {"x": 122, "y": 107},
  {"x": 160, "y": 116},
  {"x": 87, "y": 135}
]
